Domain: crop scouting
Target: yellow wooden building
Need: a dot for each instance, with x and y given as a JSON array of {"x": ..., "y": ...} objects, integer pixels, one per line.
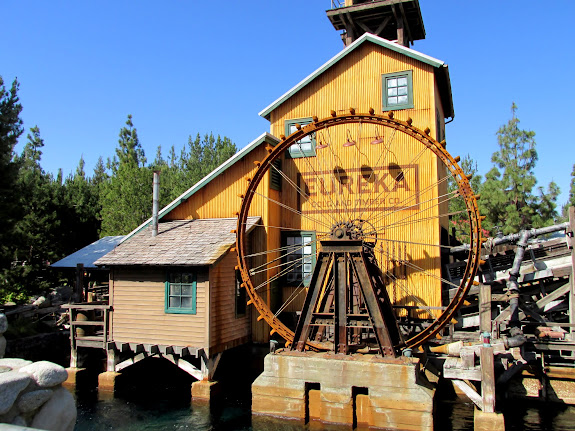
[{"x": 178, "y": 294}]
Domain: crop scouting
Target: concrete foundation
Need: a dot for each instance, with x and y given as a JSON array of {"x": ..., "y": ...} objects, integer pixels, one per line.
[
  {"x": 107, "y": 381},
  {"x": 359, "y": 390},
  {"x": 488, "y": 421},
  {"x": 205, "y": 390},
  {"x": 76, "y": 377}
]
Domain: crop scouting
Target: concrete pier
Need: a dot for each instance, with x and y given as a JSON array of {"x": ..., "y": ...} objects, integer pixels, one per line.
[{"x": 359, "y": 390}]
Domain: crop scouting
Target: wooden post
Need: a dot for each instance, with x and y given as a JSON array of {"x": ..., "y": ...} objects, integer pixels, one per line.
[
  {"x": 79, "y": 282},
  {"x": 571, "y": 243},
  {"x": 485, "y": 308},
  {"x": 487, "y": 379}
]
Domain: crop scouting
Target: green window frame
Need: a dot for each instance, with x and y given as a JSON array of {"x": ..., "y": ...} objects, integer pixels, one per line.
[
  {"x": 300, "y": 247},
  {"x": 181, "y": 292},
  {"x": 397, "y": 90},
  {"x": 304, "y": 147}
]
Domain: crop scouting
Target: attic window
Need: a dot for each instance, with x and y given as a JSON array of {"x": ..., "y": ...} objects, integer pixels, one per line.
[
  {"x": 304, "y": 147},
  {"x": 397, "y": 91}
]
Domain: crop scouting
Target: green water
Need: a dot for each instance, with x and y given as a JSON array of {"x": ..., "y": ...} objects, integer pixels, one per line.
[{"x": 133, "y": 413}]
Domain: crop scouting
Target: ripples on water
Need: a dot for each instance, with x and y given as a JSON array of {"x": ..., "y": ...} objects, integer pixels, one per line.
[
  {"x": 156, "y": 407},
  {"x": 133, "y": 414}
]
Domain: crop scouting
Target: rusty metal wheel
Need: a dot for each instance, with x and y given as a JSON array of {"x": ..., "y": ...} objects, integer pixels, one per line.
[{"x": 377, "y": 178}]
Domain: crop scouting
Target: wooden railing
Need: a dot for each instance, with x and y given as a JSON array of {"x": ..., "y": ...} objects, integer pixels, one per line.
[{"x": 89, "y": 327}]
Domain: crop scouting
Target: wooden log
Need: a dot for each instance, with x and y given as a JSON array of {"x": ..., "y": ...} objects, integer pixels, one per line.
[
  {"x": 470, "y": 392},
  {"x": 487, "y": 379},
  {"x": 485, "y": 308}
]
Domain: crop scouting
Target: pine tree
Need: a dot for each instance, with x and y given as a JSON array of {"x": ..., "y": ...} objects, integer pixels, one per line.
[
  {"x": 10, "y": 130},
  {"x": 508, "y": 200},
  {"x": 459, "y": 218},
  {"x": 36, "y": 235},
  {"x": 126, "y": 198}
]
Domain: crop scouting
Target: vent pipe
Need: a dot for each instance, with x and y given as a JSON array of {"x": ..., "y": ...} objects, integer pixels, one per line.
[{"x": 155, "y": 202}]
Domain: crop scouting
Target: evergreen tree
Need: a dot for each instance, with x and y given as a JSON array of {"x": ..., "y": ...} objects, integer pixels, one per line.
[
  {"x": 571, "y": 200},
  {"x": 508, "y": 200},
  {"x": 10, "y": 130},
  {"x": 126, "y": 198},
  {"x": 37, "y": 240},
  {"x": 459, "y": 218}
]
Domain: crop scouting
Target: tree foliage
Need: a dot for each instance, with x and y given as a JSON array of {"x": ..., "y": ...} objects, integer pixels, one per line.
[{"x": 508, "y": 198}]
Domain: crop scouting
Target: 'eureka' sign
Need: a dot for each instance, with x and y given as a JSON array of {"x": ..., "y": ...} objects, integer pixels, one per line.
[{"x": 360, "y": 189}]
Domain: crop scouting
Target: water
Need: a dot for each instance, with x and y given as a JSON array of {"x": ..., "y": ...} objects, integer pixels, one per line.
[
  {"x": 131, "y": 413},
  {"x": 156, "y": 396}
]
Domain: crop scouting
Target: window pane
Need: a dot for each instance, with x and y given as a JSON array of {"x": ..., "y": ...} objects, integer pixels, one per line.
[
  {"x": 187, "y": 302},
  {"x": 402, "y": 90},
  {"x": 402, "y": 99},
  {"x": 175, "y": 278},
  {"x": 290, "y": 240},
  {"x": 392, "y": 82},
  {"x": 175, "y": 289},
  {"x": 307, "y": 268},
  {"x": 401, "y": 81},
  {"x": 392, "y": 100},
  {"x": 392, "y": 91},
  {"x": 292, "y": 128},
  {"x": 187, "y": 278},
  {"x": 174, "y": 302},
  {"x": 187, "y": 289},
  {"x": 307, "y": 249}
]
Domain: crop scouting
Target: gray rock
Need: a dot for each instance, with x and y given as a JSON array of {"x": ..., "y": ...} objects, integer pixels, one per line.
[
  {"x": 46, "y": 374},
  {"x": 58, "y": 414},
  {"x": 32, "y": 400},
  {"x": 3, "y": 323},
  {"x": 14, "y": 363},
  {"x": 11, "y": 384},
  {"x": 41, "y": 302},
  {"x": 19, "y": 421},
  {"x": 2, "y": 346}
]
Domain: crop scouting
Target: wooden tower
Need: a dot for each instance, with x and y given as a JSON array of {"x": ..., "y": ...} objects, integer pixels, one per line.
[{"x": 390, "y": 19}]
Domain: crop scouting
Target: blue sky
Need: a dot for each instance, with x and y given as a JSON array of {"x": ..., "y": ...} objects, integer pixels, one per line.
[{"x": 183, "y": 67}]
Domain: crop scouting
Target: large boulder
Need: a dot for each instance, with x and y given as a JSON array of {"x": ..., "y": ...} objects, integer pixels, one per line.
[
  {"x": 46, "y": 374},
  {"x": 3, "y": 323},
  {"x": 33, "y": 400},
  {"x": 14, "y": 363},
  {"x": 11, "y": 384},
  {"x": 2, "y": 346},
  {"x": 58, "y": 414}
]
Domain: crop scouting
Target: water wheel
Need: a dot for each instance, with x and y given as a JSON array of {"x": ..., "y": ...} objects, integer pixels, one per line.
[{"x": 379, "y": 182}]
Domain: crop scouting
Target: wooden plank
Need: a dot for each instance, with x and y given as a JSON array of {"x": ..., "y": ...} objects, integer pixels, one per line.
[
  {"x": 473, "y": 374},
  {"x": 470, "y": 392},
  {"x": 485, "y": 324},
  {"x": 487, "y": 379}
]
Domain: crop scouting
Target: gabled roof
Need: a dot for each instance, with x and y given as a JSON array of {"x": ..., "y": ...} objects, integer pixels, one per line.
[
  {"x": 89, "y": 254},
  {"x": 264, "y": 137},
  {"x": 441, "y": 70},
  {"x": 178, "y": 243}
]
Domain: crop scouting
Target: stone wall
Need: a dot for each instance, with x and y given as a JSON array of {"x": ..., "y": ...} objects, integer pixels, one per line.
[{"x": 31, "y": 393}]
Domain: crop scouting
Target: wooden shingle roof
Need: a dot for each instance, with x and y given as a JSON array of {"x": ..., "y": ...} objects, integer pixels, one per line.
[{"x": 178, "y": 243}]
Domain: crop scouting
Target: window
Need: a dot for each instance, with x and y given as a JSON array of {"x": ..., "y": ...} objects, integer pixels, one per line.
[
  {"x": 300, "y": 257},
  {"x": 397, "y": 90},
  {"x": 304, "y": 147},
  {"x": 275, "y": 176},
  {"x": 181, "y": 293},
  {"x": 240, "y": 296}
]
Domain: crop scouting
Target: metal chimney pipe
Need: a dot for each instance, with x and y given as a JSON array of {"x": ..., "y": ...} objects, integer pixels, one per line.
[{"x": 155, "y": 203}]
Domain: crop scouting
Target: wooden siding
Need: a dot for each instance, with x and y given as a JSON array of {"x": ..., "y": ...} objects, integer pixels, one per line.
[
  {"x": 356, "y": 81},
  {"x": 226, "y": 330},
  {"x": 138, "y": 299},
  {"x": 219, "y": 198}
]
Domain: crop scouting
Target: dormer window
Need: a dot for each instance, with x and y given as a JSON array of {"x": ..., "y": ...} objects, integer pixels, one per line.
[{"x": 397, "y": 91}]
